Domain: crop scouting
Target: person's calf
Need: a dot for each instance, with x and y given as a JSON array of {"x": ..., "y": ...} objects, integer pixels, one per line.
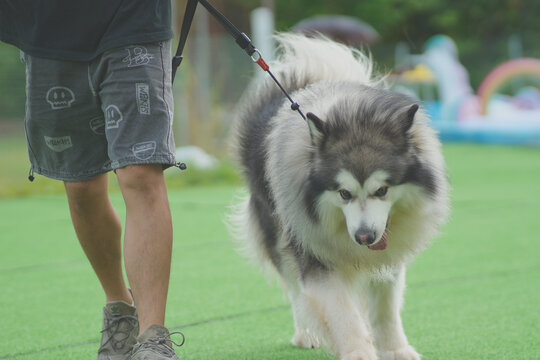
[
  {"x": 99, "y": 231},
  {"x": 148, "y": 239}
]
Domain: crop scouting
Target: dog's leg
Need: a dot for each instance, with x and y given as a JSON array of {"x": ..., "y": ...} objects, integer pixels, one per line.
[
  {"x": 303, "y": 336},
  {"x": 326, "y": 302},
  {"x": 385, "y": 298}
]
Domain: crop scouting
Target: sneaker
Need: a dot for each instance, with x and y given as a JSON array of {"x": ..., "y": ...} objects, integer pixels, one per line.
[
  {"x": 156, "y": 344},
  {"x": 120, "y": 330}
]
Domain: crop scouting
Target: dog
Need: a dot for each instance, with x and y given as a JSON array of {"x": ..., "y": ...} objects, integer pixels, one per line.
[{"x": 338, "y": 204}]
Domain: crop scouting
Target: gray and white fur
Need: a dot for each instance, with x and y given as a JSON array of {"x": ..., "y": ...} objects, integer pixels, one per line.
[{"x": 340, "y": 204}]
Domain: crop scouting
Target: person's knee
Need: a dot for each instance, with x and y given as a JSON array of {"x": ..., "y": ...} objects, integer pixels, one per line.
[
  {"x": 83, "y": 194},
  {"x": 141, "y": 179}
]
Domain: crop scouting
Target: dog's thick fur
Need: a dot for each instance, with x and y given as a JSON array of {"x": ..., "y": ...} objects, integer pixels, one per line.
[{"x": 339, "y": 204}]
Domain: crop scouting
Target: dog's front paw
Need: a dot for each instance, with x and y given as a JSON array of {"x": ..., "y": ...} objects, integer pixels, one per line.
[
  {"x": 405, "y": 353},
  {"x": 360, "y": 355},
  {"x": 305, "y": 340}
]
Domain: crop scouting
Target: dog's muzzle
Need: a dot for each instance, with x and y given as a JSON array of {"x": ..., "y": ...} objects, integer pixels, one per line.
[
  {"x": 365, "y": 237},
  {"x": 368, "y": 237}
]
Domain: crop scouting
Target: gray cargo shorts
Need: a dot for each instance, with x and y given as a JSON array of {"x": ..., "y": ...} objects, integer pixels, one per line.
[{"x": 87, "y": 118}]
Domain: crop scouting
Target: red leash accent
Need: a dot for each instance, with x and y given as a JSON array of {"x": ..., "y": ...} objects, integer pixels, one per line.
[
  {"x": 262, "y": 64},
  {"x": 241, "y": 39}
]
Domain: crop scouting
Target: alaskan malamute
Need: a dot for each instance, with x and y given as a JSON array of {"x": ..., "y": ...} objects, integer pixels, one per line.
[{"x": 340, "y": 203}]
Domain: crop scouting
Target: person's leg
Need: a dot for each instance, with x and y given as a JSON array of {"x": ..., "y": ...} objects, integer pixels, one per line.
[
  {"x": 65, "y": 128},
  {"x": 99, "y": 231},
  {"x": 136, "y": 100},
  {"x": 148, "y": 239}
]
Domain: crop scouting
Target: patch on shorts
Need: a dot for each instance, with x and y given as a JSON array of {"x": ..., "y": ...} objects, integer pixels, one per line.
[
  {"x": 113, "y": 116},
  {"x": 98, "y": 126},
  {"x": 60, "y": 97},
  {"x": 137, "y": 56},
  {"x": 58, "y": 144},
  {"x": 144, "y": 150},
  {"x": 143, "y": 98}
]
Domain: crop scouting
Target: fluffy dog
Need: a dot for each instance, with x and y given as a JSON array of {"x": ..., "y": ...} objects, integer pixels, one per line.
[{"x": 339, "y": 204}]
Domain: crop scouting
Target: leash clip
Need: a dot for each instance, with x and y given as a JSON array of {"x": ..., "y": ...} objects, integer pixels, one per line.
[{"x": 257, "y": 58}]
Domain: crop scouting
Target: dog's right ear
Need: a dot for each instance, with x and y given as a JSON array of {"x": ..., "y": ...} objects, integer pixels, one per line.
[
  {"x": 408, "y": 121},
  {"x": 317, "y": 128}
]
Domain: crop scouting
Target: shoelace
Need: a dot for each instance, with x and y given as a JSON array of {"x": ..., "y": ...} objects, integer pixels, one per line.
[
  {"x": 113, "y": 328},
  {"x": 161, "y": 346}
]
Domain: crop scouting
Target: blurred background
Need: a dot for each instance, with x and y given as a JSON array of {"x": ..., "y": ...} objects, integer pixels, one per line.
[{"x": 474, "y": 64}]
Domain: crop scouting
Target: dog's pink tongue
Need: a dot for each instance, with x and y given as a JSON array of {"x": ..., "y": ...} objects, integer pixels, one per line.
[{"x": 381, "y": 244}]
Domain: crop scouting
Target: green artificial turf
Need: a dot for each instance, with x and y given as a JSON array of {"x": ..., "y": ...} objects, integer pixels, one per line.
[{"x": 473, "y": 294}]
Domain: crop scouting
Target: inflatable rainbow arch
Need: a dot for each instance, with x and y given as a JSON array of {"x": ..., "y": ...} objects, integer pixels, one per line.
[{"x": 504, "y": 73}]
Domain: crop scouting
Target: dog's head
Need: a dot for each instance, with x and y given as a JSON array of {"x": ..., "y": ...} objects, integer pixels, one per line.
[{"x": 364, "y": 162}]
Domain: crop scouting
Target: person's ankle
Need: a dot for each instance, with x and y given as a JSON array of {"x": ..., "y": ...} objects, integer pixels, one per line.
[
  {"x": 126, "y": 297},
  {"x": 153, "y": 331}
]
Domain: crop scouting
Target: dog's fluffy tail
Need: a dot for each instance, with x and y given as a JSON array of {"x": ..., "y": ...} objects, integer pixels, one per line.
[
  {"x": 245, "y": 233},
  {"x": 302, "y": 61}
]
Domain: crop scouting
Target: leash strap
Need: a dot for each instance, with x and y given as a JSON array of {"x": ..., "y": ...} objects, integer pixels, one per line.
[
  {"x": 191, "y": 6},
  {"x": 241, "y": 39}
]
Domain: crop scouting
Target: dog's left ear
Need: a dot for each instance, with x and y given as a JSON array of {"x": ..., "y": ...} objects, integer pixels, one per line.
[
  {"x": 409, "y": 117},
  {"x": 317, "y": 128}
]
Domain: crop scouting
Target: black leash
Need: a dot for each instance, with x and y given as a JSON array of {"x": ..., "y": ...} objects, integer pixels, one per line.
[
  {"x": 191, "y": 6},
  {"x": 241, "y": 39}
]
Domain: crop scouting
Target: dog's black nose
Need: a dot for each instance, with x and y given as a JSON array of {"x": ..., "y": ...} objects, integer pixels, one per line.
[{"x": 365, "y": 237}]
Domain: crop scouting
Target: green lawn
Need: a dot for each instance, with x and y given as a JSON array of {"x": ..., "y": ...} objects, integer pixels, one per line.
[{"x": 474, "y": 294}]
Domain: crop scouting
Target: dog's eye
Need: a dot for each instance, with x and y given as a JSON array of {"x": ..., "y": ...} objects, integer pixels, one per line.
[
  {"x": 381, "y": 191},
  {"x": 345, "y": 194}
]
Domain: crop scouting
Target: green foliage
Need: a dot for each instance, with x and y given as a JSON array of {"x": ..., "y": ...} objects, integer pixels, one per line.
[
  {"x": 419, "y": 19},
  {"x": 12, "y": 82},
  {"x": 481, "y": 28}
]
